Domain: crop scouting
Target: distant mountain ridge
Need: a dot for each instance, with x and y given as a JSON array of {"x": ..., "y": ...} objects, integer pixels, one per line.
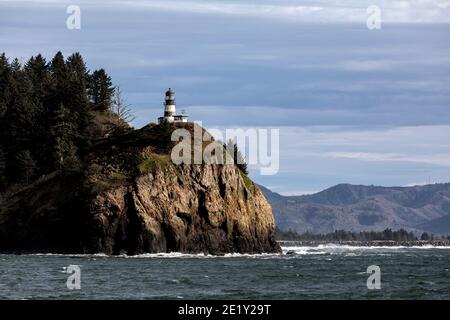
[{"x": 359, "y": 207}]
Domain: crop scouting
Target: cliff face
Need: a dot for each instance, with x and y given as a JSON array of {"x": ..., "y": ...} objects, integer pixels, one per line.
[{"x": 187, "y": 208}]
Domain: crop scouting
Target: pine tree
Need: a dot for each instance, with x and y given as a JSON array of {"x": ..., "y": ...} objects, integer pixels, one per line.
[
  {"x": 62, "y": 131},
  {"x": 4, "y": 82},
  {"x": 45, "y": 109},
  {"x": 78, "y": 82},
  {"x": 38, "y": 73},
  {"x": 69, "y": 107},
  {"x": 164, "y": 132},
  {"x": 4, "y": 97},
  {"x": 100, "y": 90},
  {"x": 60, "y": 79},
  {"x": 27, "y": 165},
  {"x": 3, "y": 181},
  {"x": 425, "y": 236},
  {"x": 238, "y": 158},
  {"x": 20, "y": 117},
  {"x": 37, "y": 70}
]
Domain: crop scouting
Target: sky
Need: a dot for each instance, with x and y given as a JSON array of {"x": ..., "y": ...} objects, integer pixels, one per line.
[{"x": 353, "y": 104}]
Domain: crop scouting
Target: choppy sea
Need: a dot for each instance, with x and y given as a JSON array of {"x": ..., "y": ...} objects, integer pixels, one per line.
[{"x": 322, "y": 272}]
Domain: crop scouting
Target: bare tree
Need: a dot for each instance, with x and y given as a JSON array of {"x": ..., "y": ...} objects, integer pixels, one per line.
[{"x": 121, "y": 108}]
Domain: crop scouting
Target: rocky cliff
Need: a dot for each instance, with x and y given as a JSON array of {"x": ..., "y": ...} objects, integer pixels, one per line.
[{"x": 128, "y": 197}]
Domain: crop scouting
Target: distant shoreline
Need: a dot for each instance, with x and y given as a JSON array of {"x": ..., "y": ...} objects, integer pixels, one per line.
[{"x": 374, "y": 243}]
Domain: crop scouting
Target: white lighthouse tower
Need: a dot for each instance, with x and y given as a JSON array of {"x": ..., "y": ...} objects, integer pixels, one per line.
[{"x": 170, "y": 109}]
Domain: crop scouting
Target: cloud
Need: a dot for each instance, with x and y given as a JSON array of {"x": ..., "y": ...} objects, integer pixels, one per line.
[
  {"x": 398, "y": 11},
  {"x": 367, "y": 65},
  {"x": 314, "y": 158},
  {"x": 435, "y": 159},
  {"x": 157, "y": 62},
  {"x": 421, "y": 144},
  {"x": 247, "y": 8},
  {"x": 297, "y": 192},
  {"x": 353, "y": 114},
  {"x": 413, "y": 184},
  {"x": 353, "y": 105},
  {"x": 321, "y": 11}
]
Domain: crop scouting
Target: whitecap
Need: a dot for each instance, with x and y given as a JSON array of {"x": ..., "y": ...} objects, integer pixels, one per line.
[{"x": 349, "y": 250}]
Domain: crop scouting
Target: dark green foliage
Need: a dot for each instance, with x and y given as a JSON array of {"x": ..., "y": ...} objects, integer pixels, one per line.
[
  {"x": 2, "y": 169},
  {"x": 63, "y": 133},
  {"x": 425, "y": 236},
  {"x": 154, "y": 162},
  {"x": 239, "y": 159},
  {"x": 164, "y": 133},
  {"x": 342, "y": 235},
  {"x": 248, "y": 183},
  {"x": 78, "y": 104},
  {"x": 27, "y": 165},
  {"x": 45, "y": 108},
  {"x": 5, "y": 73},
  {"x": 18, "y": 121},
  {"x": 100, "y": 90}
]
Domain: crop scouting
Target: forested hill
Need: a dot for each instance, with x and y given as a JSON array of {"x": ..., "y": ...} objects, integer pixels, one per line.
[
  {"x": 365, "y": 208},
  {"x": 48, "y": 111}
]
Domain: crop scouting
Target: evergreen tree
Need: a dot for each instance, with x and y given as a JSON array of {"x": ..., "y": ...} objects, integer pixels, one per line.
[
  {"x": 4, "y": 97},
  {"x": 238, "y": 158},
  {"x": 3, "y": 181},
  {"x": 68, "y": 100},
  {"x": 387, "y": 234},
  {"x": 45, "y": 109},
  {"x": 78, "y": 82},
  {"x": 37, "y": 71},
  {"x": 164, "y": 134},
  {"x": 27, "y": 165},
  {"x": 20, "y": 118},
  {"x": 100, "y": 90},
  {"x": 60, "y": 78},
  {"x": 62, "y": 132},
  {"x": 425, "y": 236},
  {"x": 4, "y": 83}
]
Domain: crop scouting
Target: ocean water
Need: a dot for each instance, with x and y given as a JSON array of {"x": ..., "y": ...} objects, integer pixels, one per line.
[{"x": 323, "y": 272}]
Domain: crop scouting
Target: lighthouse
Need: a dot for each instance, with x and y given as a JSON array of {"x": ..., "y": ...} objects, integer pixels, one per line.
[{"x": 170, "y": 109}]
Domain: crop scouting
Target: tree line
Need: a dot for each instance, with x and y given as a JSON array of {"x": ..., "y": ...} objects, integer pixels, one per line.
[
  {"x": 342, "y": 235},
  {"x": 45, "y": 108}
]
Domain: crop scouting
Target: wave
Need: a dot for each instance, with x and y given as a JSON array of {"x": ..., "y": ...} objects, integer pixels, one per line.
[
  {"x": 349, "y": 250},
  {"x": 149, "y": 255},
  {"x": 322, "y": 249},
  {"x": 349, "y": 247},
  {"x": 197, "y": 255}
]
